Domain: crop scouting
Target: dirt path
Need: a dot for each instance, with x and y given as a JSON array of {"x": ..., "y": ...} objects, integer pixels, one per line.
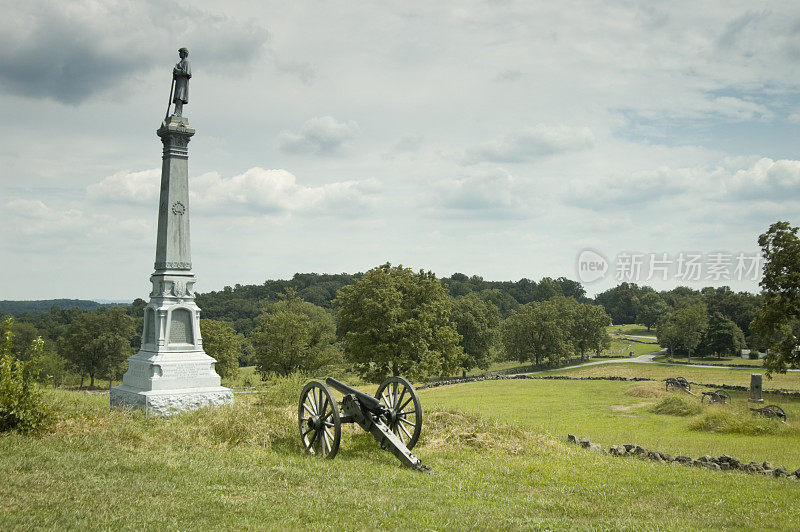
[{"x": 647, "y": 359}]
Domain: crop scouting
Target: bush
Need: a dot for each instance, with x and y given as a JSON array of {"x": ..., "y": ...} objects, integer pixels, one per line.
[
  {"x": 678, "y": 405},
  {"x": 732, "y": 422},
  {"x": 21, "y": 406}
]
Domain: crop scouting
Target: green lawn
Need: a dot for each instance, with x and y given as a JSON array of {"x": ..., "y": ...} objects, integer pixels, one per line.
[
  {"x": 710, "y": 375},
  {"x": 631, "y": 329},
  {"x": 714, "y": 361},
  {"x": 497, "y": 447},
  {"x": 613, "y": 412}
]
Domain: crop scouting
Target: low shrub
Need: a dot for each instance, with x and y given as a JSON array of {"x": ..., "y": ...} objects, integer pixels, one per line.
[
  {"x": 21, "y": 405},
  {"x": 726, "y": 421},
  {"x": 678, "y": 405}
]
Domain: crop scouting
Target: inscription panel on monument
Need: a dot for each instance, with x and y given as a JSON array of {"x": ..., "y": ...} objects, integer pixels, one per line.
[
  {"x": 150, "y": 325},
  {"x": 186, "y": 371},
  {"x": 181, "y": 327}
]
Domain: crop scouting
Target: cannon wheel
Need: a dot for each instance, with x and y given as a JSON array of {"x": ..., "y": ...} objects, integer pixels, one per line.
[
  {"x": 724, "y": 395},
  {"x": 774, "y": 411},
  {"x": 684, "y": 384},
  {"x": 318, "y": 419},
  {"x": 402, "y": 400}
]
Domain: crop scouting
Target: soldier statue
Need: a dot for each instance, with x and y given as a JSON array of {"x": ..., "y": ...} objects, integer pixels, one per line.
[{"x": 180, "y": 76}]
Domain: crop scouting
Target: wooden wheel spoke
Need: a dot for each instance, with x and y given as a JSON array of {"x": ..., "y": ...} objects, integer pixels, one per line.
[
  {"x": 400, "y": 398},
  {"x": 402, "y": 428},
  {"x": 307, "y": 409},
  {"x": 311, "y": 399},
  {"x": 406, "y": 403},
  {"x": 324, "y": 407},
  {"x": 313, "y": 439},
  {"x": 407, "y": 422}
]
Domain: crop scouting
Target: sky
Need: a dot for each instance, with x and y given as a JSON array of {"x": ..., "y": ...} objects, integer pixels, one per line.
[{"x": 601, "y": 141}]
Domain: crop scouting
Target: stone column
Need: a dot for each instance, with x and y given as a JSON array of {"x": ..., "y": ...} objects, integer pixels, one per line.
[
  {"x": 755, "y": 388},
  {"x": 171, "y": 372}
]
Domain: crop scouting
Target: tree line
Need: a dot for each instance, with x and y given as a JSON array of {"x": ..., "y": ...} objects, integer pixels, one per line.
[
  {"x": 387, "y": 321},
  {"x": 393, "y": 320}
]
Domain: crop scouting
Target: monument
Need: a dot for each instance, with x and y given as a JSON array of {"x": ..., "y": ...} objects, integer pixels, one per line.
[
  {"x": 171, "y": 373},
  {"x": 755, "y": 388}
]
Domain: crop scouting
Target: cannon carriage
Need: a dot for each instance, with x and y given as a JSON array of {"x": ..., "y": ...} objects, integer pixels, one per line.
[
  {"x": 717, "y": 396},
  {"x": 771, "y": 412},
  {"x": 678, "y": 384},
  {"x": 393, "y": 417}
]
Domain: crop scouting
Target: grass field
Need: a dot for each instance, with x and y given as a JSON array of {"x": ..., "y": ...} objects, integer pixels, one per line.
[
  {"x": 710, "y": 375},
  {"x": 714, "y": 361},
  {"x": 632, "y": 329},
  {"x": 497, "y": 447}
]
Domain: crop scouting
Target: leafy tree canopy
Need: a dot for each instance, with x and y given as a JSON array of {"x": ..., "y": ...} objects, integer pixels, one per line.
[
  {"x": 397, "y": 322},
  {"x": 294, "y": 335},
  {"x": 778, "y": 320},
  {"x": 224, "y": 344},
  {"x": 477, "y": 322}
]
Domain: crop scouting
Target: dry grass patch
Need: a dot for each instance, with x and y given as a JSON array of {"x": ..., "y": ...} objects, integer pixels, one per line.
[
  {"x": 452, "y": 430},
  {"x": 647, "y": 389},
  {"x": 678, "y": 404}
]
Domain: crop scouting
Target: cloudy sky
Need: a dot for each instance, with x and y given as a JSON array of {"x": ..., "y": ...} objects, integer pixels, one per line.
[{"x": 494, "y": 138}]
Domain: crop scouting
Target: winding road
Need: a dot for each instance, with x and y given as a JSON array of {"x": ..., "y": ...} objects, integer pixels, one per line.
[{"x": 648, "y": 359}]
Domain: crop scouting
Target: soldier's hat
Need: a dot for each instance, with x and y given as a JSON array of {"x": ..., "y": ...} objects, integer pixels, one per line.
[{"x": 183, "y": 49}]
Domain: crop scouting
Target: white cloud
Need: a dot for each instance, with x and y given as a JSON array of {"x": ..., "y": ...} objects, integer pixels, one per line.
[
  {"x": 777, "y": 181},
  {"x": 731, "y": 181},
  {"x": 127, "y": 187},
  {"x": 531, "y": 143},
  {"x": 33, "y": 218},
  {"x": 263, "y": 192},
  {"x": 322, "y": 135},
  {"x": 488, "y": 195},
  {"x": 257, "y": 191}
]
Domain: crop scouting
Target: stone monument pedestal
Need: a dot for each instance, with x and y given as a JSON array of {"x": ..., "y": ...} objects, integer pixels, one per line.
[
  {"x": 171, "y": 372},
  {"x": 755, "y": 388}
]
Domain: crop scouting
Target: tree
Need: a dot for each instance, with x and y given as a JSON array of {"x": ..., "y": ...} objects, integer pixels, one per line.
[
  {"x": 21, "y": 406},
  {"x": 504, "y": 302},
  {"x": 23, "y": 334},
  {"x": 681, "y": 331},
  {"x": 394, "y": 321},
  {"x": 650, "y": 310},
  {"x": 535, "y": 332},
  {"x": 620, "y": 302},
  {"x": 294, "y": 335},
  {"x": 723, "y": 337},
  {"x": 223, "y": 343},
  {"x": 778, "y": 320},
  {"x": 477, "y": 322},
  {"x": 588, "y": 329},
  {"x": 99, "y": 343}
]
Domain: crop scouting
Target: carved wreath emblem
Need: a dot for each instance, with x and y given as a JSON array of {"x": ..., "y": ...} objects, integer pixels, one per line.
[{"x": 178, "y": 208}]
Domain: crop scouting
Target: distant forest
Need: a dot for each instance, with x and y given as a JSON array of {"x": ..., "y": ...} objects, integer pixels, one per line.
[
  {"x": 240, "y": 305},
  {"x": 19, "y": 308}
]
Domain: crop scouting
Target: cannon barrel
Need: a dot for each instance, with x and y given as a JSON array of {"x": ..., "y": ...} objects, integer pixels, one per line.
[{"x": 367, "y": 401}]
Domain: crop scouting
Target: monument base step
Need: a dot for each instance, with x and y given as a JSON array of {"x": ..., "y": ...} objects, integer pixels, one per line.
[{"x": 169, "y": 402}]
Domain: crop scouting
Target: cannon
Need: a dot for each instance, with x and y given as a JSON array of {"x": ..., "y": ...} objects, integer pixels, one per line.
[
  {"x": 393, "y": 417},
  {"x": 717, "y": 396},
  {"x": 771, "y": 412},
  {"x": 678, "y": 383}
]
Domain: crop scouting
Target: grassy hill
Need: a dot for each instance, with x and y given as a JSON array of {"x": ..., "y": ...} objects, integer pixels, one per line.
[{"x": 498, "y": 449}]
